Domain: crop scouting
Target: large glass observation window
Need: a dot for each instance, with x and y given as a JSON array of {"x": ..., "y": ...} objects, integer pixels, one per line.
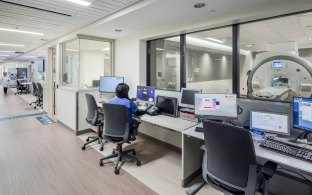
[
  {"x": 209, "y": 60},
  {"x": 165, "y": 63},
  {"x": 278, "y": 64},
  {"x": 84, "y": 61}
]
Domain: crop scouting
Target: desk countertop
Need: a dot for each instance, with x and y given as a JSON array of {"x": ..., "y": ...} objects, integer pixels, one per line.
[
  {"x": 264, "y": 153},
  {"x": 176, "y": 124}
]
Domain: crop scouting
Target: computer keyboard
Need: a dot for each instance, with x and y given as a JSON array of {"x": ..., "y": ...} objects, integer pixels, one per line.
[
  {"x": 199, "y": 129},
  {"x": 287, "y": 149}
]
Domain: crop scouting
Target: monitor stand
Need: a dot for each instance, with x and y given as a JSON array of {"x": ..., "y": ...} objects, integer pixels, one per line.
[{"x": 303, "y": 138}]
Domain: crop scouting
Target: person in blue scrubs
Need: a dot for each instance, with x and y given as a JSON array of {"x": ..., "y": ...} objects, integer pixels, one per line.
[{"x": 122, "y": 98}]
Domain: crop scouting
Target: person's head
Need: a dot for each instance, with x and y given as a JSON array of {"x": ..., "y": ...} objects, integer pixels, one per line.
[
  {"x": 122, "y": 90},
  {"x": 4, "y": 74}
]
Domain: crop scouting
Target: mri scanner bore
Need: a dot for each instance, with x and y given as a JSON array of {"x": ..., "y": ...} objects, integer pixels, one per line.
[{"x": 280, "y": 76}]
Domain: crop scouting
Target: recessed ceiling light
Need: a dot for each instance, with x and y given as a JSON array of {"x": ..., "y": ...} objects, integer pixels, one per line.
[
  {"x": 310, "y": 39},
  {"x": 199, "y": 5},
  {"x": 215, "y": 40},
  {"x": 72, "y": 50},
  {"x": 5, "y": 51},
  {"x": 13, "y": 45},
  {"x": 20, "y": 31},
  {"x": 80, "y": 2},
  {"x": 105, "y": 49},
  {"x": 118, "y": 30},
  {"x": 160, "y": 49},
  {"x": 248, "y": 45}
]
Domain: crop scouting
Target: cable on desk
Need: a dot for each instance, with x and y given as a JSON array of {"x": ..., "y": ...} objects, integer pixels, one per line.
[{"x": 292, "y": 171}]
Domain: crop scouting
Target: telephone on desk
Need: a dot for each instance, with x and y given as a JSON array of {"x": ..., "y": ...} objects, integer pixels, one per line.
[{"x": 152, "y": 111}]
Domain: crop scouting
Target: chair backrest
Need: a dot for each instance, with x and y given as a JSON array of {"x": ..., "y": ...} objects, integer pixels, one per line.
[
  {"x": 116, "y": 121},
  {"x": 40, "y": 90},
  {"x": 93, "y": 114},
  {"x": 35, "y": 89},
  {"x": 18, "y": 83},
  {"x": 230, "y": 155}
]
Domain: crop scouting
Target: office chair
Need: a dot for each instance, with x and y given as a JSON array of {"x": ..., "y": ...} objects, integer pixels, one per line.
[
  {"x": 229, "y": 163},
  {"x": 39, "y": 95},
  {"x": 35, "y": 91},
  {"x": 94, "y": 118},
  {"x": 117, "y": 130},
  {"x": 20, "y": 88}
]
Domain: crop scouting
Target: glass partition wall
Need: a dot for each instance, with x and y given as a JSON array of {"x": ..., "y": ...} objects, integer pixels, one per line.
[{"x": 84, "y": 61}]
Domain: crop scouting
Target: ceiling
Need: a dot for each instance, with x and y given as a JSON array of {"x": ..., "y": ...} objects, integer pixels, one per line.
[
  {"x": 150, "y": 19},
  {"x": 54, "y": 18}
]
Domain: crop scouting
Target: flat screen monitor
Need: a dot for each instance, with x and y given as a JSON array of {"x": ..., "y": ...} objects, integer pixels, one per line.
[
  {"x": 302, "y": 112},
  {"x": 216, "y": 106},
  {"x": 146, "y": 93},
  {"x": 187, "y": 99},
  {"x": 40, "y": 64},
  {"x": 167, "y": 105},
  {"x": 108, "y": 84},
  {"x": 269, "y": 122}
]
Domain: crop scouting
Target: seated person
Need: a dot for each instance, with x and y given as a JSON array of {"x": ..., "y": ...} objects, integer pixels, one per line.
[{"x": 122, "y": 98}]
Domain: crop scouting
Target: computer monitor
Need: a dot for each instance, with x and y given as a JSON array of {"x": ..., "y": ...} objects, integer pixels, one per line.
[
  {"x": 216, "y": 106},
  {"x": 187, "y": 99},
  {"x": 302, "y": 112},
  {"x": 167, "y": 105},
  {"x": 269, "y": 122},
  {"x": 146, "y": 93},
  {"x": 108, "y": 84}
]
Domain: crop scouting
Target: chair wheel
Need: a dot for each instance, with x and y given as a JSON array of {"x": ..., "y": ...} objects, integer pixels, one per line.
[
  {"x": 116, "y": 171},
  {"x": 101, "y": 148},
  {"x": 134, "y": 152},
  {"x": 101, "y": 163},
  {"x": 138, "y": 163},
  {"x": 83, "y": 147},
  {"x": 87, "y": 139}
]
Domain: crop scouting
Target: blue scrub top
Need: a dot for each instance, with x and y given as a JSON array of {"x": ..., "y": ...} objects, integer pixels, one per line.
[{"x": 131, "y": 107}]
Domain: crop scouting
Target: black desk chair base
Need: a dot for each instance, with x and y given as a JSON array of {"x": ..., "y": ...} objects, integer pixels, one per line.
[
  {"x": 92, "y": 139},
  {"x": 120, "y": 154}
]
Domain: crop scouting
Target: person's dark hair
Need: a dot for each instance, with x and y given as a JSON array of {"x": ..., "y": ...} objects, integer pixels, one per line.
[{"x": 122, "y": 90}]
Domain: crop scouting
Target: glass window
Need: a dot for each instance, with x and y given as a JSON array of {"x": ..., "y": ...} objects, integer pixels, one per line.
[
  {"x": 278, "y": 61},
  {"x": 95, "y": 61},
  {"x": 165, "y": 63},
  {"x": 209, "y": 60},
  {"x": 70, "y": 63},
  {"x": 85, "y": 61}
]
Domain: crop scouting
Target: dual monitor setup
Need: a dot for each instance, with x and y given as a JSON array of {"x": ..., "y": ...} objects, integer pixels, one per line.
[{"x": 220, "y": 107}]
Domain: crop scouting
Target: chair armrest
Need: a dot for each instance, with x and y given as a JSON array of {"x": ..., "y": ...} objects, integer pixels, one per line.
[{"x": 269, "y": 169}]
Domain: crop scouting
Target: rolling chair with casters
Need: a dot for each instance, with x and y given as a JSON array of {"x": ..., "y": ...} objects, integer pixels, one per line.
[
  {"x": 94, "y": 118},
  {"x": 39, "y": 95},
  {"x": 229, "y": 163},
  {"x": 117, "y": 130},
  {"x": 35, "y": 91},
  {"x": 20, "y": 88}
]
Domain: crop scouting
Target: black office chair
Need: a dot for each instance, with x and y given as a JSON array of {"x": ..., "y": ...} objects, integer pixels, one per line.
[
  {"x": 20, "y": 88},
  {"x": 94, "y": 118},
  {"x": 229, "y": 163},
  {"x": 35, "y": 91},
  {"x": 117, "y": 131},
  {"x": 39, "y": 95}
]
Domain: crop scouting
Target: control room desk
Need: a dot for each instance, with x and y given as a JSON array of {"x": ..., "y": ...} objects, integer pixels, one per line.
[{"x": 192, "y": 139}]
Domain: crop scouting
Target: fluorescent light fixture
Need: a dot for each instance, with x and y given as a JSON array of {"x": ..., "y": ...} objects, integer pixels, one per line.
[
  {"x": 20, "y": 31},
  {"x": 105, "y": 49},
  {"x": 4, "y": 55},
  {"x": 160, "y": 49},
  {"x": 27, "y": 56},
  {"x": 13, "y": 45},
  {"x": 5, "y": 51},
  {"x": 248, "y": 45},
  {"x": 215, "y": 40},
  {"x": 80, "y": 2},
  {"x": 72, "y": 50}
]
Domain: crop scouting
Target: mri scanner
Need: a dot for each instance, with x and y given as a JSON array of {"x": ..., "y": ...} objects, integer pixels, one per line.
[{"x": 280, "y": 76}]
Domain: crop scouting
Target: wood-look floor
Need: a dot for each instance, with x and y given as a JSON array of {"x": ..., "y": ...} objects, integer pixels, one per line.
[{"x": 37, "y": 159}]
